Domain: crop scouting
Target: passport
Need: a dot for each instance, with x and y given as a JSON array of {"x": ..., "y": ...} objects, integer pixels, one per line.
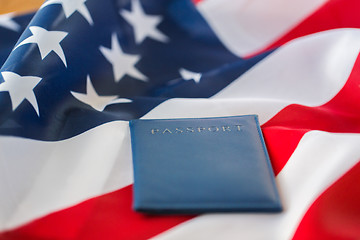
[{"x": 201, "y": 165}]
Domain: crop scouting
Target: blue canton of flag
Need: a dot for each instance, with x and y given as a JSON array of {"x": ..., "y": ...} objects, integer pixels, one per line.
[
  {"x": 77, "y": 59},
  {"x": 11, "y": 28}
]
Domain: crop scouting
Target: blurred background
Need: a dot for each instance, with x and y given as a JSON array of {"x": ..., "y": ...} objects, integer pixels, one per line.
[{"x": 21, "y": 6}]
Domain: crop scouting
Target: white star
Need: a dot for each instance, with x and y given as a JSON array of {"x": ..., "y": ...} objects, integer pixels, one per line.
[
  {"x": 144, "y": 25},
  {"x": 122, "y": 63},
  {"x": 7, "y": 22},
  {"x": 188, "y": 75},
  {"x": 47, "y": 42},
  {"x": 20, "y": 88},
  {"x": 71, "y": 6},
  {"x": 97, "y": 102}
]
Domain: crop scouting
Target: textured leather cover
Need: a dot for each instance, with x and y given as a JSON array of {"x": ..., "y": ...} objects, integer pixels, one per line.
[{"x": 202, "y": 165}]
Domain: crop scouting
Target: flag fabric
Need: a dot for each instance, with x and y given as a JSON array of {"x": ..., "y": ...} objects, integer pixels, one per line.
[{"x": 76, "y": 71}]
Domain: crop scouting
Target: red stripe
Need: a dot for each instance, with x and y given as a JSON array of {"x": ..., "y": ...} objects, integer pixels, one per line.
[
  {"x": 334, "y": 14},
  {"x": 335, "y": 215},
  {"x": 281, "y": 143},
  {"x": 341, "y": 114},
  {"x": 106, "y": 217}
]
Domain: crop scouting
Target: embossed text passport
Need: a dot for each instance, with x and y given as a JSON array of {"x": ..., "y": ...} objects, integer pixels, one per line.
[{"x": 202, "y": 165}]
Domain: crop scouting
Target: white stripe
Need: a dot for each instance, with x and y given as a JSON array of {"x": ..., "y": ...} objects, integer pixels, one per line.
[
  {"x": 308, "y": 71},
  {"x": 247, "y": 26},
  {"x": 38, "y": 177},
  {"x": 41, "y": 177},
  {"x": 188, "y": 108},
  {"x": 319, "y": 160}
]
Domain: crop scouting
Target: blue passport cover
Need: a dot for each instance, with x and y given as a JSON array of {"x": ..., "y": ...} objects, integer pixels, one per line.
[{"x": 202, "y": 165}]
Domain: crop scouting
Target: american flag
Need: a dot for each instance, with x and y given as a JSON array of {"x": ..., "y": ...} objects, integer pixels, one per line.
[{"x": 76, "y": 71}]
